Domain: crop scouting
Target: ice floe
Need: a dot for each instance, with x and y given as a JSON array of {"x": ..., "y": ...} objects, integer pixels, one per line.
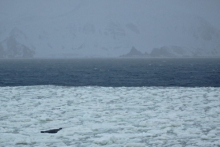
[{"x": 111, "y": 117}]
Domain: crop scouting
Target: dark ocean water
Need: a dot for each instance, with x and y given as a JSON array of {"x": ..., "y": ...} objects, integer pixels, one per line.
[{"x": 111, "y": 72}]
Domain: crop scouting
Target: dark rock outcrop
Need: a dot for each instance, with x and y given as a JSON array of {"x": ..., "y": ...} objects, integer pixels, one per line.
[{"x": 134, "y": 53}]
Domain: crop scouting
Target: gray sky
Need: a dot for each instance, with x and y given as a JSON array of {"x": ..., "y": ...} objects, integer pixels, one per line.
[
  {"x": 12, "y": 9},
  {"x": 209, "y": 9}
]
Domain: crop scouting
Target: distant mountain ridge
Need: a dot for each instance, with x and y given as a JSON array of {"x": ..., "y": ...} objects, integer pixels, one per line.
[
  {"x": 169, "y": 52},
  {"x": 94, "y": 29}
]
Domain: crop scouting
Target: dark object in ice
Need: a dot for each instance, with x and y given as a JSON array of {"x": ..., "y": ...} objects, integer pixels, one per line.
[{"x": 51, "y": 131}]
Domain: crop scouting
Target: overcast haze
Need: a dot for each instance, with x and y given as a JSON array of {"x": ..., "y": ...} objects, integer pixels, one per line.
[{"x": 108, "y": 28}]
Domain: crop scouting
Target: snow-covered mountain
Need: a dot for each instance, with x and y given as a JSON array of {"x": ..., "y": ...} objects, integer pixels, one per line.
[
  {"x": 107, "y": 29},
  {"x": 15, "y": 46}
]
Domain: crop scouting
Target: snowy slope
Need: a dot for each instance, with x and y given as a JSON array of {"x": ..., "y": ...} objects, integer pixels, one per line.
[{"x": 110, "y": 28}]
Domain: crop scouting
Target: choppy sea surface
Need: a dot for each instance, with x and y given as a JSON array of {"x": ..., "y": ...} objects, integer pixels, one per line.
[
  {"x": 111, "y": 72},
  {"x": 111, "y": 103}
]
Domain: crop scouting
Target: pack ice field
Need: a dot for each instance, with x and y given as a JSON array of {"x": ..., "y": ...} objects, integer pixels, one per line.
[{"x": 111, "y": 117}]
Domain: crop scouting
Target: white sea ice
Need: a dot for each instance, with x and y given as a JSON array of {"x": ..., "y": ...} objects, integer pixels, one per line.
[{"x": 110, "y": 117}]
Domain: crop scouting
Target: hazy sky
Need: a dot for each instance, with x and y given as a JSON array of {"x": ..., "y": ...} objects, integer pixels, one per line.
[{"x": 11, "y": 9}]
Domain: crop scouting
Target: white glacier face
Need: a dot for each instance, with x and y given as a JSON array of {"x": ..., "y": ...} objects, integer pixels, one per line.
[
  {"x": 108, "y": 28},
  {"x": 111, "y": 117}
]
